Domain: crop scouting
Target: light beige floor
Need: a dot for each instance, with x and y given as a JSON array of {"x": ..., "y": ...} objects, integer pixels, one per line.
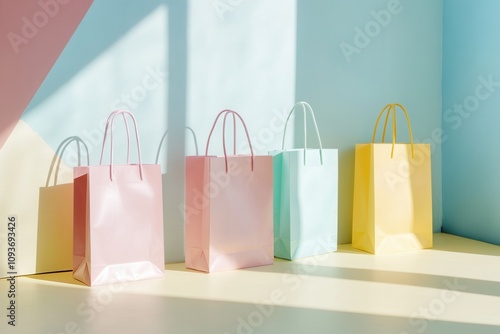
[{"x": 453, "y": 288}]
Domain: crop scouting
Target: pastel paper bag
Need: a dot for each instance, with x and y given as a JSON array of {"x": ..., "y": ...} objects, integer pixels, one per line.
[
  {"x": 118, "y": 219},
  {"x": 392, "y": 205},
  {"x": 25, "y": 159},
  {"x": 305, "y": 197},
  {"x": 55, "y": 214},
  {"x": 229, "y": 209}
]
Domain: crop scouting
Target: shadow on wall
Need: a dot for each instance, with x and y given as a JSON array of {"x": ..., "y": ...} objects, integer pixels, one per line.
[
  {"x": 106, "y": 29},
  {"x": 177, "y": 92},
  {"x": 88, "y": 82},
  {"x": 316, "y": 84},
  {"x": 354, "y": 57}
]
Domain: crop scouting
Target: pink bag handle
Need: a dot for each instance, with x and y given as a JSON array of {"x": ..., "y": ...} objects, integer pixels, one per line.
[
  {"x": 234, "y": 129},
  {"x": 234, "y": 114},
  {"x": 128, "y": 138},
  {"x": 109, "y": 124}
]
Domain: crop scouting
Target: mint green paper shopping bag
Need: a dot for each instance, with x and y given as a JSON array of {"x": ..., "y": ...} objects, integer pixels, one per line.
[{"x": 305, "y": 197}]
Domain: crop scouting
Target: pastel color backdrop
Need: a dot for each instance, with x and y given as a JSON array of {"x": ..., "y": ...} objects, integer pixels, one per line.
[
  {"x": 175, "y": 64},
  {"x": 471, "y": 105}
]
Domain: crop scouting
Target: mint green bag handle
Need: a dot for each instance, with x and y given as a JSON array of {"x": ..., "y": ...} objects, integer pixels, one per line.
[{"x": 305, "y": 106}]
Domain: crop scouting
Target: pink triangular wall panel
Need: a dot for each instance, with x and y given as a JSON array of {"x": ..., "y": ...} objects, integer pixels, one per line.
[{"x": 33, "y": 35}]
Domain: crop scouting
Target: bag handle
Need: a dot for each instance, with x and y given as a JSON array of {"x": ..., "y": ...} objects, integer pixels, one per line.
[
  {"x": 112, "y": 114},
  {"x": 188, "y": 129},
  {"x": 126, "y": 128},
  {"x": 234, "y": 130},
  {"x": 305, "y": 106},
  {"x": 109, "y": 124},
  {"x": 390, "y": 109},
  {"x": 60, "y": 152},
  {"x": 226, "y": 112}
]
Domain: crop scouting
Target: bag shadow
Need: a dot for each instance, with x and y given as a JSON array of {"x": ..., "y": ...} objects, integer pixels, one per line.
[{"x": 173, "y": 200}]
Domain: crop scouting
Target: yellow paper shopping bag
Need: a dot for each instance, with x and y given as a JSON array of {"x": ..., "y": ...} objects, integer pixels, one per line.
[
  {"x": 392, "y": 206},
  {"x": 54, "y": 247}
]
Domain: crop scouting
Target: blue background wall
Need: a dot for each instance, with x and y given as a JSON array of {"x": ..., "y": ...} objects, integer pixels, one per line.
[
  {"x": 471, "y": 118},
  {"x": 399, "y": 61}
]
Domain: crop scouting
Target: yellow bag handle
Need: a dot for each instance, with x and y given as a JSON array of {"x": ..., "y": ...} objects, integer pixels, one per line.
[{"x": 391, "y": 109}]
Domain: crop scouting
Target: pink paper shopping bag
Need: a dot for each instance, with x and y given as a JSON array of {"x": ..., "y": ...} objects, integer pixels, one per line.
[
  {"x": 229, "y": 208},
  {"x": 118, "y": 219}
]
